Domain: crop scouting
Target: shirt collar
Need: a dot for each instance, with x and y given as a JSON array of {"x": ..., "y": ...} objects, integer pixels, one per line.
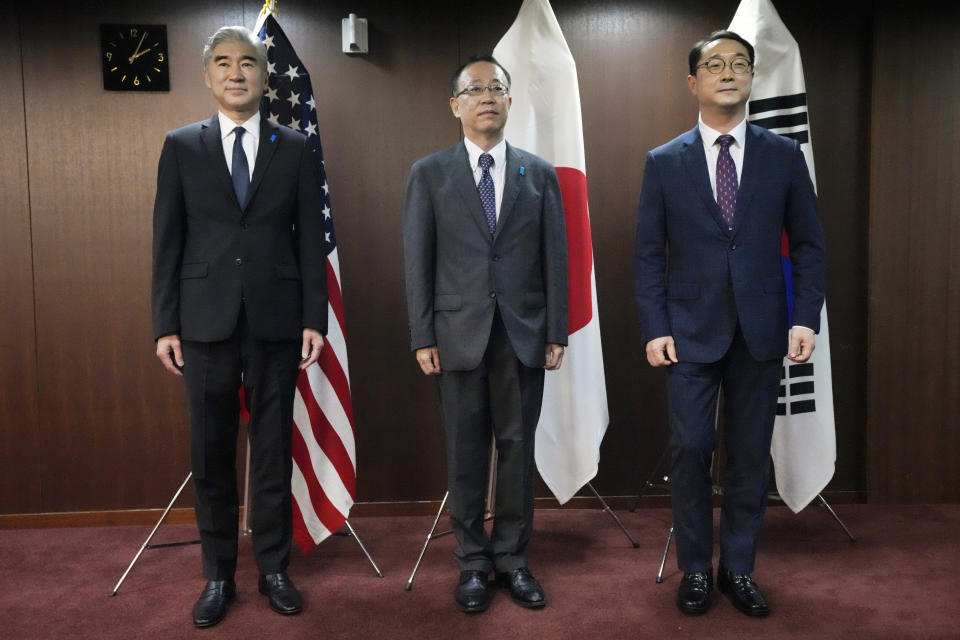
[
  {"x": 710, "y": 135},
  {"x": 499, "y": 153},
  {"x": 251, "y": 126}
]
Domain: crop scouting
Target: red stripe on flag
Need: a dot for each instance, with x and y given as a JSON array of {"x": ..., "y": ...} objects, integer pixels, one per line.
[
  {"x": 335, "y": 298},
  {"x": 331, "y": 367},
  {"x": 784, "y": 245},
  {"x": 300, "y": 533},
  {"x": 573, "y": 189},
  {"x": 327, "y": 438},
  {"x": 327, "y": 514}
]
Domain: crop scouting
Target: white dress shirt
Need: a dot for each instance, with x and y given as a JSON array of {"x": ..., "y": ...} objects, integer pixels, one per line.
[
  {"x": 498, "y": 170},
  {"x": 712, "y": 149},
  {"x": 250, "y": 140}
]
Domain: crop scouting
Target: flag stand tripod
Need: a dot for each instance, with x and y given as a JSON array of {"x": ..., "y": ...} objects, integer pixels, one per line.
[
  {"x": 489, "y": 514},
  {"x": 245, "y": 529}
]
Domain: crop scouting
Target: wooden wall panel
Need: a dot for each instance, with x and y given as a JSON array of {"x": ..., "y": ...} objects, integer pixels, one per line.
[
  {"x": 19, "y": 454},
  {"x": 913, "y": 426}
]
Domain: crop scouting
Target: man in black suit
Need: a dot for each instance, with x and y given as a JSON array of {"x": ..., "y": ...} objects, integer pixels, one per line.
[
  {"x": 239, "y": 294},
  {"x": 486, "y": 279},
  {"x": 713, "y": 308}
]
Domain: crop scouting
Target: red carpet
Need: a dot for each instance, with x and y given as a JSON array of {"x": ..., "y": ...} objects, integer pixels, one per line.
[{"x": 900, "y": 580}]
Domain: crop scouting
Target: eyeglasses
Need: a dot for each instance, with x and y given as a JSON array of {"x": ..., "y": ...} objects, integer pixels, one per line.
[
  {"x": 475, "y": 91},
  {"x": 716, "y": 65}
]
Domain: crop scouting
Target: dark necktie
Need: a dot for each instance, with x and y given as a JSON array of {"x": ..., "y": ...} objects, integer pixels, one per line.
[
  {"x": 241, "y": 170},
  {"x": 488, "y": 194},
  {"x": 726, "y": 181}
]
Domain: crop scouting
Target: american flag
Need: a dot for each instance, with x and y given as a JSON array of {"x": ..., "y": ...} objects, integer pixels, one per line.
[{"x": 324, "y": 453}]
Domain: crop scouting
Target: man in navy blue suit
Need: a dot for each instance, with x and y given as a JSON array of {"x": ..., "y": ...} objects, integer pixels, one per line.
[{"x": 713, "y": 309}]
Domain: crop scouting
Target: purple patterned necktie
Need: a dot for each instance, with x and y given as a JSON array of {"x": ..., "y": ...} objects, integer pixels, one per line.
[
  {"x": 726, "y": 181},
  {"x": 488, "y": 195}
]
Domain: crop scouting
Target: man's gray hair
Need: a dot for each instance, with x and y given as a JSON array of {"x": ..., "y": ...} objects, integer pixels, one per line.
[{"x": 236, "y": 34}]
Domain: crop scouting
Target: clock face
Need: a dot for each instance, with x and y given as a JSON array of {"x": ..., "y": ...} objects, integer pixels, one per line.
[{"x": 134, "y": 57}]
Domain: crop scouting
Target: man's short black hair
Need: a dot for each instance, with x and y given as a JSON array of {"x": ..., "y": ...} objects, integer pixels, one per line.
[
  {"x": 455, "y": 78},
  {"x": 722, "y": 34}
]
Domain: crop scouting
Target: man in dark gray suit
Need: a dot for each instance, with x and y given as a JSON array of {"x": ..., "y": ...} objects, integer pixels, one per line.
[
  {"x": 486, "y": 276},
  {"x": 239, "y": 289}
]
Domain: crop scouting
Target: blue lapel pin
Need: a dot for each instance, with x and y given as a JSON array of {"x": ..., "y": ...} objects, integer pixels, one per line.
[
  {"x": 523, "y": 170},
  {"x": 273, "y": 138}
]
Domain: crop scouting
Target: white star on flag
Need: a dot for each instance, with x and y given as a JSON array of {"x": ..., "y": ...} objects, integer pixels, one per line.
[
  {"x": 312, "y": 104},
  {"x": 311, "y": 129},
  {"x": 326, "y": 212},
  {"x": 274, "y": 118},
  {"x": 294, "y": 99},
  {"x": 294, "y": 124},
  {"x": 271, "y": 94},
  {"x": 326, "y": 189},
  {"x": 291, "y": 71},
  {"x": 271, "y": 68},
  {"x": 268, "y": 42}
]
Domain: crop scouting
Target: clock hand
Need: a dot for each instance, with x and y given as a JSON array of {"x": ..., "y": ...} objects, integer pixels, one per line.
[
  {"x": 133, "y": 57},
  {"x": 139, "y": 54}
]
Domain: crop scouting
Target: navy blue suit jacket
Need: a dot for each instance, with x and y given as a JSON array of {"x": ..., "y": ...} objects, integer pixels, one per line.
[{"x": 696, "y": 280}]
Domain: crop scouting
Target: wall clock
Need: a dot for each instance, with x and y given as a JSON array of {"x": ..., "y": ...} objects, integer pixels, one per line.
[{"x": 134, "y": 57}]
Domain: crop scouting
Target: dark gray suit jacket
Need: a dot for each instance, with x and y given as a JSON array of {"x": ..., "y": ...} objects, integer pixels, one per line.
[
  {"x": 211, "y": 255},
  {"x": 457, "y": 273}
]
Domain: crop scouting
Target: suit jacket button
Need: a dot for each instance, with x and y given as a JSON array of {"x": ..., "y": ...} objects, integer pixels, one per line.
[
  {"x": 493, "y": 294},
  {"x": 733, "y": 247},
  {"x": 239, "y": 261},
  {"x": 496, "y": 258}
]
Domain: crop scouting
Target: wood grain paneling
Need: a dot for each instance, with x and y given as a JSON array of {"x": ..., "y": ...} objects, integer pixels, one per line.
[
  {"x": 20, "y": 484},
  {"x": 913, "y": 426}
]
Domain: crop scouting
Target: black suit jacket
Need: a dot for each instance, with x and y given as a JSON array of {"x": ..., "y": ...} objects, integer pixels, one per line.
[
  {"x": 457, "y": 273},
  {"x": 210, "y": 255}
]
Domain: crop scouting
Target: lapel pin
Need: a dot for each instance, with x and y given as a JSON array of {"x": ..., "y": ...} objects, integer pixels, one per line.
[
  {"x": 273, "y": 138},
  {"x": 523, "y": 170}
]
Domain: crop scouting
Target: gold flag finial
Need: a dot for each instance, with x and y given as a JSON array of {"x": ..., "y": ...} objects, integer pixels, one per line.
[{"x": 269, "y": 6}]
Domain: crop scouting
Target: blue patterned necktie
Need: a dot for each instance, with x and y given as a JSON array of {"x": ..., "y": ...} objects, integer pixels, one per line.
[
  {"x": 488, "y": 194},
  {"x": 241, "y": 170},
  {"x": 727, "y": 184}
]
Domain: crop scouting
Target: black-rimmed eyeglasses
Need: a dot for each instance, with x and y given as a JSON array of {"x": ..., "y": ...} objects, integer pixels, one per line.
[{"x": 716, "y": 65}]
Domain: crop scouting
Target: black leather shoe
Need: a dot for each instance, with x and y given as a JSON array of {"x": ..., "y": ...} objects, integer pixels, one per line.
[
  {"x": 744, "y": 593},
  {"x": 524, "y": 588},
  {"x": 284, "y": 597},
  {"x": 472, "y": 594},
  {"x": 212, "y": 604},
  {"x": 693, "y": 596}
]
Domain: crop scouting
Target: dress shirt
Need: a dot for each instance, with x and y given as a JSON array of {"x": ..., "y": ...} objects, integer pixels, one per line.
[
  {"x": 250, "y": 140},
  {"x": 498, "y": 171},
  {"x": 712, "y": 149}
]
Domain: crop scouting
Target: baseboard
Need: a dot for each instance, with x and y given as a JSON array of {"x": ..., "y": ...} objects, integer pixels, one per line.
[{"x": 184, "y": 515}]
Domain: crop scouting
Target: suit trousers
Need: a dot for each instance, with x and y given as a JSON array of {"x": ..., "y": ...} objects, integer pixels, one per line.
[
  {"x": 501, "y": 397},
  {"x": 213, "y": 372},
  {"x": 750, "y": 389}
]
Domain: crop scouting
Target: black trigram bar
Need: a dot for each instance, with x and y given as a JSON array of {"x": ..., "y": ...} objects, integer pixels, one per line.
[
  {"x": 786, "y": 120},
  {"x": 803, "y": 137},
  {"x": 780, "y": 102},
  {"x": 802, "y": 406},
  {"x": 799, "y": 388},
  {"x": 782, "y": 409},
  {"x": 783, "y": 391},
  {"x": 800, "y": 370}
]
